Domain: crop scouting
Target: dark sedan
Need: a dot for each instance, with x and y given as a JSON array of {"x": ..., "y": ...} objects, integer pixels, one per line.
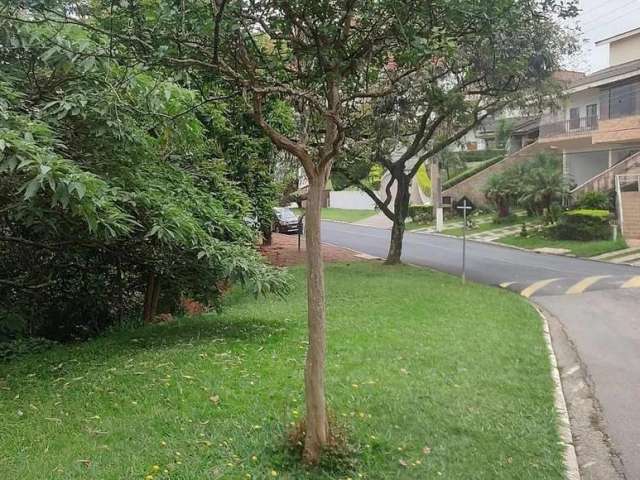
[{"x": 285, "y": 221}]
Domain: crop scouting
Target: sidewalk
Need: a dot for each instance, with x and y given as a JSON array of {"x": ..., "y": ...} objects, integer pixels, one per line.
[{"x": 380, "y": 220}]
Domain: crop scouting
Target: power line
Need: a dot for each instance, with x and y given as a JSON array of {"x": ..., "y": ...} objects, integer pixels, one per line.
[
  {"x": 625, "y": 14},
  {"x": 594, "y": 19}
]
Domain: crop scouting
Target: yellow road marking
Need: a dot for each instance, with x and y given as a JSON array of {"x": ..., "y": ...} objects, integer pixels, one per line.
[
  {"x": 534, "y": 287},
  {"x": 506, "y": 284},
  {"x": 585, "y": 283},
  {"x": 633, "y": 282}
]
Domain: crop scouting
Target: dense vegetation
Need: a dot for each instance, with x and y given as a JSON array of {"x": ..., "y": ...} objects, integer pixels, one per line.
[
  {"x": 122, "y": 191},
  {"x": 536, "y": 185}
]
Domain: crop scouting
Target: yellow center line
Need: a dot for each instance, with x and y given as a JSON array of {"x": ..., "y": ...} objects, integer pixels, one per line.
[
  {"x": 534, "y": 287},
  {"x": 633, "y": 282},
  {"x": 585, "y": 283}
]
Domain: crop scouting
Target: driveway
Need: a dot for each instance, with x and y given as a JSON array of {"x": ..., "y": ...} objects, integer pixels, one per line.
[{"x": 597, "y": 304}]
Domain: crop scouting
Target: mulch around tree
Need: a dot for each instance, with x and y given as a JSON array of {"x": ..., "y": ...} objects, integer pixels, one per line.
[{"x": 283, "y": 252}]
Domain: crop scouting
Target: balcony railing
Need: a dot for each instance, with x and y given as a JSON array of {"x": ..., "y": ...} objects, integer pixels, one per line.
[{"x": 569, "y": 127}]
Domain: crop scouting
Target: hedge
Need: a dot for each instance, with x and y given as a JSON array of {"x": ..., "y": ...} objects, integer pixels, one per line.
[
  {"x": 421, "y": 213},
  {"x": 583, "y": 224},
  {"x": 472, "y": 171}
]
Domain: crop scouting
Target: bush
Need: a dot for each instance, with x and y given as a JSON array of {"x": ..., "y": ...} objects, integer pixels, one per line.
[
  {"x": 583, "y": 225},
  {"x": 472, "y": 171},
  {"x": 594, "y": 201},
  {"x": 421, "y": 213},
  {"x": 498, "y": 220},
  {"x": 471, "y": 156}
]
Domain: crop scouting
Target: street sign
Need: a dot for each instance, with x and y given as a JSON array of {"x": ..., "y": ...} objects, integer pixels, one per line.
[{"x": 464, "y": 207}]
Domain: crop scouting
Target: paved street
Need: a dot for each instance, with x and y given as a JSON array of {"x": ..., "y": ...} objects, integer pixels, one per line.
[{"x": 597, "y": 303}]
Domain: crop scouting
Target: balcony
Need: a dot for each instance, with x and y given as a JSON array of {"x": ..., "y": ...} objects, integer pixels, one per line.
[{"x": 569, "y": 128}]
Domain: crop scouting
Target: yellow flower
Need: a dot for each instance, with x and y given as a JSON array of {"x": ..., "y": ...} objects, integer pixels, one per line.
[
  {"x": 274, "y": 473},
  {"x": 156, "y": 468}
]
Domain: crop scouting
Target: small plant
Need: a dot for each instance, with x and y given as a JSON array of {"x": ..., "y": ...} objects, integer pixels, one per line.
[{"x": 524, "y": 233}]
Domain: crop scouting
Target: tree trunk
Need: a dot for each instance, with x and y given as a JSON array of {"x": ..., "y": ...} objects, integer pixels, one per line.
[
  {"x": 400, "y": 212},
  {"x": 151, "y": 296},
  {"x": 317, "y": 426}
]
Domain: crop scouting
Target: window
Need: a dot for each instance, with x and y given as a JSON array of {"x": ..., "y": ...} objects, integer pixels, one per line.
[
  {"x": 592, "y": 115},
  {"x": 574, "y": 118},
  {"x": 622, "y": 101}
]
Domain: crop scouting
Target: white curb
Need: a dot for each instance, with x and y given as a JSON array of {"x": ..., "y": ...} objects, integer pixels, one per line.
[{"x": 564, "y": 425}]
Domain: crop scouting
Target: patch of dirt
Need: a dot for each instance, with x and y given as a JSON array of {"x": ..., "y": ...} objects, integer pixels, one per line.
[{"x": 283, "y": 252}]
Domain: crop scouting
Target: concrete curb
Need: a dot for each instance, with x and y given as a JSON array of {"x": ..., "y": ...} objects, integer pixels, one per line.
[{"x": 564, "y": 424}]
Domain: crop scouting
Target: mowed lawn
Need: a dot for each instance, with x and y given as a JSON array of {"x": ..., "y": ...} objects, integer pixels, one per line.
[
  {"x": 577, "y": 248},
  {"x": 430, "y": 379},
  {"x": 342, "y": 214}
]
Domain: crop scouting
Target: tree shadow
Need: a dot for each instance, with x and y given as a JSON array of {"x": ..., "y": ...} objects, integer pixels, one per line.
[{"x": 128, "y": 342}]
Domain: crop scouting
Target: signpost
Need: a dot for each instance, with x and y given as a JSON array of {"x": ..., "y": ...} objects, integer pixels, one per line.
[{"x": 464, "y": 207}]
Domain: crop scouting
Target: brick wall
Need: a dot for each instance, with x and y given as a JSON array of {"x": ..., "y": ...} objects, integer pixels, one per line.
[
  {"x": 472, "y": 187},
  {"x": 617, "y": 130},
  {"x": 631, "y": 214}
]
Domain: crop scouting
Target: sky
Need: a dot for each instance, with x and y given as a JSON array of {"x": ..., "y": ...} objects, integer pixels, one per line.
[{"x": 601, "y": 19}]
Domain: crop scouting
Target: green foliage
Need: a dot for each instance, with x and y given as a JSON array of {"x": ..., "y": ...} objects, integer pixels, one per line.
[
  {"x": 116, "y": 174},
  {"x": 452, "y": 182},
  {"x": 474, "y": 156},
  {"x": 594, "y": 201},
  {"x": 421, "y": 213},
  {"x": 583, "y": 225},
  {"x": 537, "y": 185},
  {"x": 504, "y": 127},
  {"x": 424, "y": 182}
]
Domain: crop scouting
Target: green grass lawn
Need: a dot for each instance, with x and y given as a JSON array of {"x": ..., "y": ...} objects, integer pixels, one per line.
[
  {"x": 443, "y": 382},
  {"x": 578, "y": 248},
  {"x": 342, "y": 214}
]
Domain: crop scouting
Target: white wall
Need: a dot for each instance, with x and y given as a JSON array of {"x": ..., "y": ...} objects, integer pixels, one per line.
[
  {"x": 581, "y": 166},
  {"x": 581, "y": 100},
  {"x": 624, "y": 50},
  {"x": 350, "y": 199}
]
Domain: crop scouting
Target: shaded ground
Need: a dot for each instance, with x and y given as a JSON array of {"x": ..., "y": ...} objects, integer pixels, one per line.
[{"x": 283, "y": 251}]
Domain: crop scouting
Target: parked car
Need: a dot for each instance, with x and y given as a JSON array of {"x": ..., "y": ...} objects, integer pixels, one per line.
[{"x": 286, "y": 221}]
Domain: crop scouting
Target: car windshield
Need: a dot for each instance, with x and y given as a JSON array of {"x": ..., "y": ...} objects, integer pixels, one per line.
[{"x": 286, "y": 214}]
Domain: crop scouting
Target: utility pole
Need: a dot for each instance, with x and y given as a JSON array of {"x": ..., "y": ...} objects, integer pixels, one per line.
[
  {"x": 436, "y": 192},
  {"x": 464, "y": 207}
]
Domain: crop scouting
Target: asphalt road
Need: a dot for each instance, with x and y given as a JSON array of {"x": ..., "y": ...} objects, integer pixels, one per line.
[{"x": 603, "y": 321}]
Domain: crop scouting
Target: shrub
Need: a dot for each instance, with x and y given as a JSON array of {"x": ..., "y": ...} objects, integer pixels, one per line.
[
  {"x": 497, "y": 220},
  {"x": 421, "y": 213},
  {"x": 472, "y": 171},
  {"x": 594, "y": 201},
  {"x": 583, "y": 225}
]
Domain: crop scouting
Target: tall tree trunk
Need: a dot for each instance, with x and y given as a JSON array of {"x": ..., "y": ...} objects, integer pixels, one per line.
[
  {"x": 150, "y": 298},
  {"x": 400, "y": 212},
  {"x": 317, "y": 426}
]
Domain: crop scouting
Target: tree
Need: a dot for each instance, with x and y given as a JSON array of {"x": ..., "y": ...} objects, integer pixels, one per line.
[
  {"x": 495, "y": 56},
  {"x": 326, "y": 58},
  {"x": 537, "y": 185},
  {"x": 112, "y": 189},
  {"x": 503, "y": 190}
]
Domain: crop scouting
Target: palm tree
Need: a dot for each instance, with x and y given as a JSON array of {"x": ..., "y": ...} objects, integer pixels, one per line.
[
  {"x": 502, "y": 189},
  {"x": 542, "y": 184}
]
